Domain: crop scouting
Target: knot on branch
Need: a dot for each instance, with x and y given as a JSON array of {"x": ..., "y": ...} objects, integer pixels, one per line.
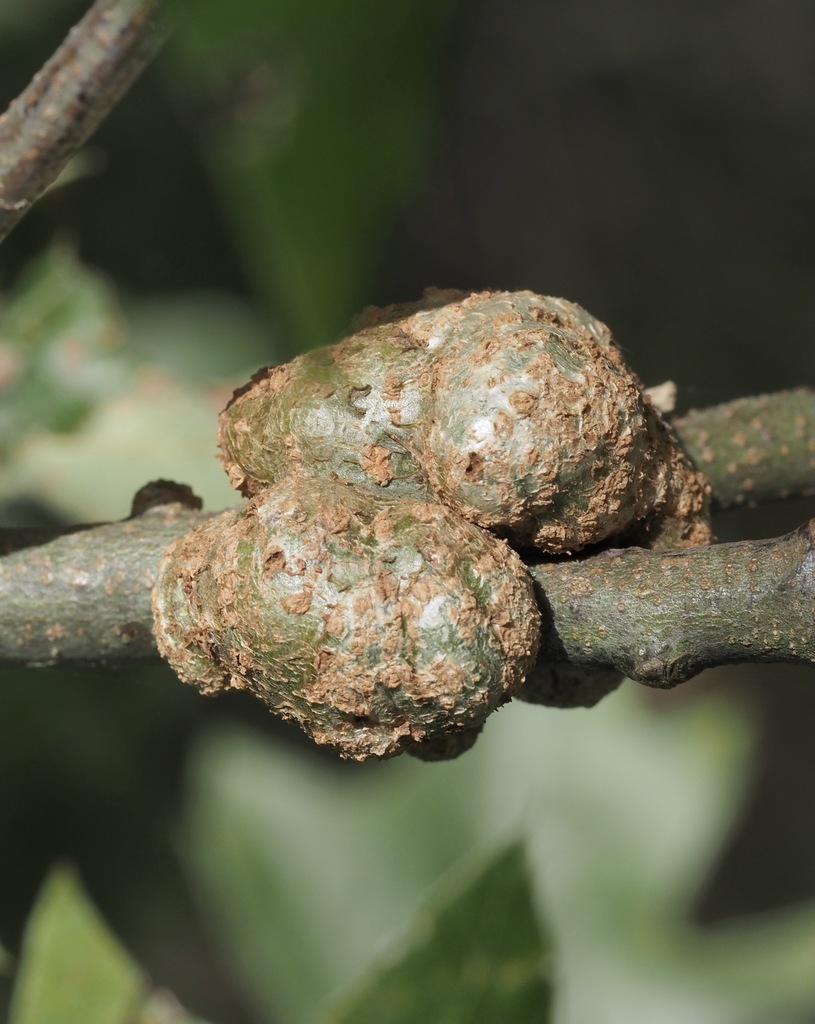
[{"x": 369, "y": 589}]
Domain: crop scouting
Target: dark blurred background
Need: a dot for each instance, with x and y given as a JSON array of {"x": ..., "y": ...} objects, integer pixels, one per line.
[{"x": 652, "y": 162}]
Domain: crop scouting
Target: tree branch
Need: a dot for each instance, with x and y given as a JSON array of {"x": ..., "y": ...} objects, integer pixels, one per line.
[
  {"x": 754, "y": 449},
  {"x": 69, "y": 97},
  {"x": 662, "y": 617},
  {"x": 84, "y": 597}
]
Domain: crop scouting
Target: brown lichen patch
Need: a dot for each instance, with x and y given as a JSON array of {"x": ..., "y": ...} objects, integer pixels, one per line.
[
  {"x": 386, "y": 585},
  {"x": 335, "y": 621},
  {"x": 393, "y": 385},
  {"x": 425, "y": 512},
  {"x": 336, "y": 518},
  {"x": 523, "y": 402},
  {"x": 376, "y": 462},
  {"x": 382, "y": 526},
  {"x": 299, "y": 603}
]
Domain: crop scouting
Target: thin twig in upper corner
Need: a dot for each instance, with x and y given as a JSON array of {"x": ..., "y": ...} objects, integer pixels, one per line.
[{"x": 69, "y": 97}]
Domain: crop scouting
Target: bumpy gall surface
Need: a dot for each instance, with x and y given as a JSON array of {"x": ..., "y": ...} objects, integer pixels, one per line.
[
  {"x": 514, "y": 409},
  {"x": 362, "y": 591},
  {"x": 379, "y": 627}
]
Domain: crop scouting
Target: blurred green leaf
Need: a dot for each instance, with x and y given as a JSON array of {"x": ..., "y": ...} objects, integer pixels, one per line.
[
  {"x": 160, "y": 428},
  {"x": 72, "y": 971},
  {"x": 321, "y": 136},
  {"x": 307, "y": 872},
  {"x": 631, "y": 812},
  {"x": 60, "y": 336},
  {"x": 474, "y": 956},
  {"x": 94, "y": 403},
  {"x": 202, "y": 338},
  {"x": 305, "y": 868}
]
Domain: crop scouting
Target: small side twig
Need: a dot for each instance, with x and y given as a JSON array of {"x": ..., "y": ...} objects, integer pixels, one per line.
[{"x": 69, "y": 97}]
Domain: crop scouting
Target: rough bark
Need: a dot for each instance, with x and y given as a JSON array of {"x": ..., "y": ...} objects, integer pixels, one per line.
[{"x": 83, "y": 597}]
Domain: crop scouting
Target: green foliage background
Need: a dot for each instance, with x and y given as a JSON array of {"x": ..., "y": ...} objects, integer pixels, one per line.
[{"x": 281, "y": 166}]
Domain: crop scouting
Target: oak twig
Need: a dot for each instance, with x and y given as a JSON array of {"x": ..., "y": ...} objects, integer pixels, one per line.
[
  {"x": 69, "y": 97},
  {"x": 754, "y": 449},
  {"x": 663, "y": 617},
  {"x": 84, "y": 597}
]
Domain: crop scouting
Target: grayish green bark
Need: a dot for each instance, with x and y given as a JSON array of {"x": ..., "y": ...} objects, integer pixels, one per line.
[
  {"x": 661, "y": 617},
  {"x": 754, "y": 449},
  {"x": 84, "y": 596}
]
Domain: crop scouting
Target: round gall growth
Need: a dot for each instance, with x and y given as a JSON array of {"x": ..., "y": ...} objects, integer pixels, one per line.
[
  {"x": 379, "y": 627},
  {"x": 514, "y": 409},
  {"x": 363, "y": 590}
]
